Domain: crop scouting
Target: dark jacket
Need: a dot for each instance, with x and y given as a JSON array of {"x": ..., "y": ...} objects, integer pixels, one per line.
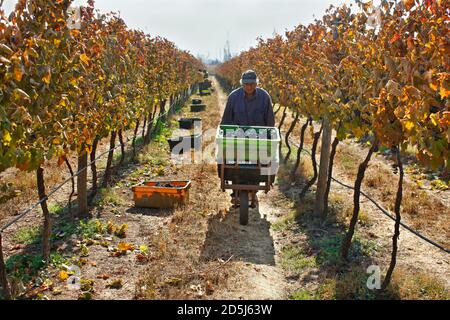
[{"x": 242, "y": 111}]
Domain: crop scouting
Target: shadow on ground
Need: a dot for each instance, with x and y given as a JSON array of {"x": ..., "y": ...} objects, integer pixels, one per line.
[{"x": 227, "y": 238}]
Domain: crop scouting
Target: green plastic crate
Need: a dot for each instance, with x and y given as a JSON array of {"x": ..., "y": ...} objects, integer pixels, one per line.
[{"x": 247, "y": 148}]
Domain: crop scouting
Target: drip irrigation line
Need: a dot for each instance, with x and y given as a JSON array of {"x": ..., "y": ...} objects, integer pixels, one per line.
[
  {"x": 384, "y": 211},
  {"x": 31, "y": 208}
]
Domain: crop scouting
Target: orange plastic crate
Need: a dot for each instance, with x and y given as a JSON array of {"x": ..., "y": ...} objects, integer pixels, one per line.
[{"x": 150, "y": 195}]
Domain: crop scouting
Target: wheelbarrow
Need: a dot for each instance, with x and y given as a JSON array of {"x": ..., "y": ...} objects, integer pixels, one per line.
[
  {"x": 247, "y": 163},
  {"x": 245, "y": 180}
]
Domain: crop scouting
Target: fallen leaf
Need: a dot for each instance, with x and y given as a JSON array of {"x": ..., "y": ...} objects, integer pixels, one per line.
[
  {"x": 141, "y": 258},
  {"x": 103, "y": 277},
  {"x": 143, "y": 249},
  {"x": 110, "y": 228},
  {"x": 209, "y": 287},
  {"x": 104, "y": 244},
  {"x": 121, "y": 232},
  {"x": 124, "y": 247},
  {"x": 56, "y": 291},
  {"x": 63, "y": 275},
  {"x": 87, "y": 285},
  {"x": 85, "y": 296},
  {"x": 173, "y": 281},
  {"x": 115, "y": 284}
]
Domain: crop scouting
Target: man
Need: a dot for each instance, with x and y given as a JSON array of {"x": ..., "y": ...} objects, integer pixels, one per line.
[{"x": 249, "y": 106}]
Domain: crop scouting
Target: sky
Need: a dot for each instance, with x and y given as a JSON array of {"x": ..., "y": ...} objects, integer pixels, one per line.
[{"x": 203, "y": 26}]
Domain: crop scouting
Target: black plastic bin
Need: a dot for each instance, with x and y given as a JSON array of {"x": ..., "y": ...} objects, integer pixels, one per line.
[
  {"x": 198, "y": 107},
  {"x": 189, "y": 123},
  {"x": 193, "y": 141},
  {"x": 197, "y": 101}
]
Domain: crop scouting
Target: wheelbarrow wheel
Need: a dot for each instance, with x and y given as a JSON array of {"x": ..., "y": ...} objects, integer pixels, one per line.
[{"x": 243, "y": 209}]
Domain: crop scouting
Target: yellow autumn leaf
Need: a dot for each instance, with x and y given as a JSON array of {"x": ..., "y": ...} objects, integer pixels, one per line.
[
  {"x": 123, "y": 246},
  {"x": 110, "y": 228},
  {"x": 143, "y": 249},
  {"x": 63, "y": 275},
  {"x": 444, "y": 93},
  {"x": 446, "y": 118},
  {"x": 73, "y": 82},
  {"x": 84, "y": 58},
  {"x": 434, "y": 119},
  {"x": 18, "y": 73},
  {"x": 6, "y": 138},
  {"x": 121, "y": 232},
  {"x": 47, "y": 78},
  {"x": 74, "y": 32},
  {"x": 409, "y": 125},
  {"x": 420, "y": 184},
  {"x": 433, "y": 86},
  {"x": 57, "y": 42}
]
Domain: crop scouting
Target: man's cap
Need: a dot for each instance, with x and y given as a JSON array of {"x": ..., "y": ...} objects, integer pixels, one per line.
[{"x": 249, "y": 76}]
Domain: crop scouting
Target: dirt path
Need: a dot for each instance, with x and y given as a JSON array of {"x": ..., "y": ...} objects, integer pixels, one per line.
[{"x": 261, "y": 276}]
